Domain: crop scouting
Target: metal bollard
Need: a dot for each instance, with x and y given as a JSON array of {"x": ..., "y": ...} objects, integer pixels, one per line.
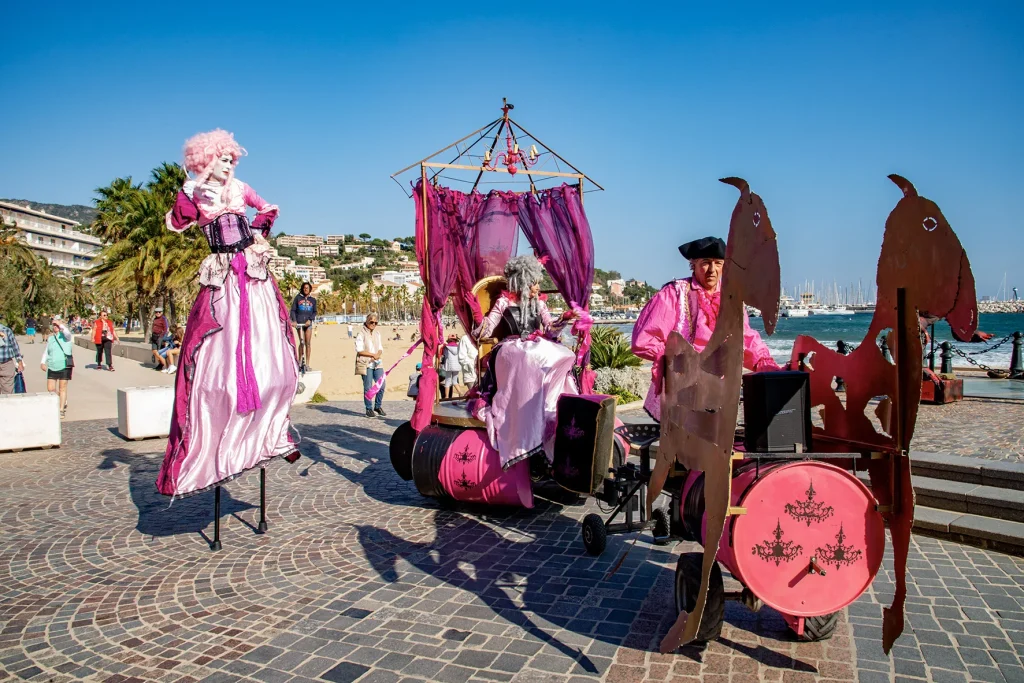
[
  {"x": 844, "y": 350},
  {"x": 1017, "y": 355},
  {"x": 947, "y": 359}
]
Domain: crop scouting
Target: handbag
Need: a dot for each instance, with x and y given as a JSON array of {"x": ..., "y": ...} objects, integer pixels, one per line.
[
  {"x": 19, "y": 383},
  {"x": 69, "y": 360}
]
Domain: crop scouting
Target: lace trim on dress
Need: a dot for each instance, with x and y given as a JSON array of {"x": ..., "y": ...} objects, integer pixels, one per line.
[{"x": 214, "y": 269}]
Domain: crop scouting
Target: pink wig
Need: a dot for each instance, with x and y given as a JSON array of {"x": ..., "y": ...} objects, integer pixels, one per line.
[{"x": 203, "y": 149}]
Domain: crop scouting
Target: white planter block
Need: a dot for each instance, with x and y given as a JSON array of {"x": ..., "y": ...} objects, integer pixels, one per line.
[
  {"x": 144, "y": 412},
  {"x": 308, "y": 384},
  {"x": 30, "y": 421}
]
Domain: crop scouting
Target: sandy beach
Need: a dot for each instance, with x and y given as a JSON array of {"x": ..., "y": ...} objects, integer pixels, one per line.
[{"x": 334, "y": 354}]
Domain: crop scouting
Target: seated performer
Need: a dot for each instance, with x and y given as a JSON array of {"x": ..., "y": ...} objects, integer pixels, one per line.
[
  {"x": 520, "y": 414},
  {"x": 689, "y": 306}
]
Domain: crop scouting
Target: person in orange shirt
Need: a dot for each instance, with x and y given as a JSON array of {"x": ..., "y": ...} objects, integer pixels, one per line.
[{"x": 104, "y": 337}]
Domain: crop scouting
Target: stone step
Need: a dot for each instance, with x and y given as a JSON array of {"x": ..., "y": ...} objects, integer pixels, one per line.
[
  {"x": 977, "y": 530},
  {"x": 967, "y": 498},
  {"x": 996, "y": 473}
]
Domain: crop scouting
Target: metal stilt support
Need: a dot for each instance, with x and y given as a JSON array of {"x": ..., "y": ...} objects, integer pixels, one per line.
[
  {"x": 261, "y": 528},
  {"x": 215, "y": 545}
]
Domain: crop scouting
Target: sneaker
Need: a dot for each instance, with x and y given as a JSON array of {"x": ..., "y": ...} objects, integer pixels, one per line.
[
  {"x": 110, "y": 367},
  {"x": 380, "y": 411},
  {"x": 369, "y": 413},
  {"x": 171, "y": 370}
]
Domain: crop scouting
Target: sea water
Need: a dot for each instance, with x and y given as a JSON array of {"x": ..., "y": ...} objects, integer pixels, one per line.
[{"x": 829, "y": 329}]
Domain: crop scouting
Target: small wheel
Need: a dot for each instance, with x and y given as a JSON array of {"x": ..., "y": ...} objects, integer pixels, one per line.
[
  {"x": 619, "y": 453},
  {"x": 820, "y": 628},
  {"x": 661, "y": 525},
  {"x": 688, "y": 571},
  {"x": 595, "y": 536},
  {"x": 402, "y": 442}
]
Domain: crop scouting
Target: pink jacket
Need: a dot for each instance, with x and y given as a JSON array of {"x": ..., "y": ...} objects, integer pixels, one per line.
[{"x": 676, "y": 308}]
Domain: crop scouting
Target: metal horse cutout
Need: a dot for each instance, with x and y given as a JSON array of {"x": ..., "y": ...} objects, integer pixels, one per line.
[
  {"x": 701, "y": 396},
  {"x": 922, "y": 256}
]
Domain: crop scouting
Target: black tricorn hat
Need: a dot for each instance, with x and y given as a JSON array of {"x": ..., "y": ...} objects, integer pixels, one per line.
[{"x": 705, "y": 247}]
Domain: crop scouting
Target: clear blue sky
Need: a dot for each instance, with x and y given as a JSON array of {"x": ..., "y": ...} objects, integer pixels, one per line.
[{"x": 813, "y": 104}]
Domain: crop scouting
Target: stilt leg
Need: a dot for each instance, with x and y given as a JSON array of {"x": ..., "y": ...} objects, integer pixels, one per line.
[
  {"x": 216, "y": 520},
  {"x": 262, "y": 527}
]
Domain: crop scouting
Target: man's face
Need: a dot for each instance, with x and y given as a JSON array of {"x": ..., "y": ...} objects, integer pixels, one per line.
[
  {"x": 708, "y": 271},
  {"x": 222, "y": 167}
]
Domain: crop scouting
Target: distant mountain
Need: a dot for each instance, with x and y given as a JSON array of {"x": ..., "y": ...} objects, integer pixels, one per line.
[{"x": 76, "y": 212}]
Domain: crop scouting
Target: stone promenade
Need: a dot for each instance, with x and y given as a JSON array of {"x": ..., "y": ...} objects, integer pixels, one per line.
[{"x": 361, "y": 579}]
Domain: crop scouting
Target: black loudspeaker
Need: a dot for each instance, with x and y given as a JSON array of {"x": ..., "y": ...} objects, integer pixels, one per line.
[
  {"x": 583, "y": 442},
  {"x": 777, "y": 412}
]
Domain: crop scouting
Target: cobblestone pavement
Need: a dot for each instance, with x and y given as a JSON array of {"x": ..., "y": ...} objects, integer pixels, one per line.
[
  {"x": 362, "y": 579},
  {"x": 976, "y": 427}
]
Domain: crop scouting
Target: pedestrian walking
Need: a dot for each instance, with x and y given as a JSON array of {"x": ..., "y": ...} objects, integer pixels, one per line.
[
  {"x": 350, "y": 330},
  {"x": 11, "y": 362},
  {"x": 468, "y": 354},
  {"x": 57, "y": 362},
  {"x": 450, "y": 367},
  {"x": 30, "y": 328},
  {"x": 369, "y": 350},
  {"x": 104, "y": 337},
  {"x": 156, "y": 335}
]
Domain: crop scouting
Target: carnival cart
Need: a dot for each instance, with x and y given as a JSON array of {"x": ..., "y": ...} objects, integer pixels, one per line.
[
  {"x": 780, "y": 505},
  {"x": 463, "y": 241}
]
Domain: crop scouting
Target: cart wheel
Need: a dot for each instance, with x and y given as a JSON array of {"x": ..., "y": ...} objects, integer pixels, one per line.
[
  {"x": 661, "y": 525},
  {"x": 820, "y": 628},
  {"x": 619, "y": 453},
  {"x": 402, "y": 442},
  {"x": 595, "y": 536},
  {"x": 688, "y": 586}
]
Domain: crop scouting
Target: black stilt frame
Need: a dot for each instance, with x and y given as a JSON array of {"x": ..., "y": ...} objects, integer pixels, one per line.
[
  {"x": 262, "y": 527},
  {"x": 215, "y": 545}
]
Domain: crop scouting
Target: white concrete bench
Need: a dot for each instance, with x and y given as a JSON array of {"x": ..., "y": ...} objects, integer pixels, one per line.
[
  {"x": 308, "y": 384},
  {"x": 144, "y": 412},
  {"x": 29, "y": 421}
]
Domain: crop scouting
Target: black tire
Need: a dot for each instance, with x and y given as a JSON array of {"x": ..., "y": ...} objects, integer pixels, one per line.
[
  {"x": 402, "y": 442},
  {"x": 688, "y": 571},
  {"x": 820, "y": 628},
  {"x": 595, "y": 536},
  {"x": 619, "y": 454},
  {"x": 661, "y": 525}
]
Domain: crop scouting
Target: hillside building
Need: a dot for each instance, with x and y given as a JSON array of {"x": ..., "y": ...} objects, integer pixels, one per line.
[
  {"x": 55, "y": 239},
  {"x": 299, "y": 241},
  {"x": 308, "y": 251}
]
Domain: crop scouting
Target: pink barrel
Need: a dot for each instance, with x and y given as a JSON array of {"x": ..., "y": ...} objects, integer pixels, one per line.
[
  {"x": 796, "y": 512},
  {"x": 459, "y": 463}
]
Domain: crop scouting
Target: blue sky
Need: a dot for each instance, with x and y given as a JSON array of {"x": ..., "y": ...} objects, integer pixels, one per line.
[{"x": 813, "y": 104}]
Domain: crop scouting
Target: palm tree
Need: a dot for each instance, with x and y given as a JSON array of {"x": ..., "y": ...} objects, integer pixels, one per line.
[
  {"x": 289, "y": 284},
  {"x": 13, "y": 249},
  {"x": 609, "y": 349}
]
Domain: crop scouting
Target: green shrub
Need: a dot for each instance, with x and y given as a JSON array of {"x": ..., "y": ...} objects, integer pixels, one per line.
[
  {"x": 624, "y": 395},
  {"x": 318, "y": 398},
  {"x": 611, "y": 349}
]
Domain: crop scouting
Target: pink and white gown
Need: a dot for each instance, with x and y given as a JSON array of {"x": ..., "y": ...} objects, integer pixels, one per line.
[
  {"x": 531, "y": 372},
  {"x": 237, "y": 372},
  {"x": 685, "y": 307}
]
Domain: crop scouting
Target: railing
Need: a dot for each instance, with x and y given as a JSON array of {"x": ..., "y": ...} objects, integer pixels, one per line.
[{"x": 947, "y": 350}]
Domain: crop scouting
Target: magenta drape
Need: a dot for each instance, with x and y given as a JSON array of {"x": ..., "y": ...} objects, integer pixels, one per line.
[
  {"x": 470, "y": 236},
  {"x": 557, "y": 228}
]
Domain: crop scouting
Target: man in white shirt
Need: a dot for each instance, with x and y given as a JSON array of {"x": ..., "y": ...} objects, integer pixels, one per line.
[{"x": 369, "y": 350}]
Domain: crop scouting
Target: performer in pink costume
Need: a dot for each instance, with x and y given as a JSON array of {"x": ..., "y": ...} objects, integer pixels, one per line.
[
  {"x": 528, "y": 369},
  {"x": 690, "y": 307},
  {"x": 237, "y": 374}
]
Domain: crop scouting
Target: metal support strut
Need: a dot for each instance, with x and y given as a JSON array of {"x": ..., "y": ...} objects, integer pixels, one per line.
[
  {"x": 262, "y": 527},
  {"x": 215, "y": 544}
]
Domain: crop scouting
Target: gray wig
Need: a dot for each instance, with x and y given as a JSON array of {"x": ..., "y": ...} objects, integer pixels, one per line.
[{"x": 522, "y": 272}]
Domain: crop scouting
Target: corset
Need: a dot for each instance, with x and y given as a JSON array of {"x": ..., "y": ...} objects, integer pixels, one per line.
[
  {"x": 228, "y": 233},
  {"x": 510, "y": 327}
]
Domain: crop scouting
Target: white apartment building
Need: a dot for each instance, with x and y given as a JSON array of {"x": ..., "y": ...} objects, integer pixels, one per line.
[
  {"x": 335, "y": 239},
  {"x": 309, "y": 273},
  {"x": 397, "y": 278},
  {"x": 364, "y": 262},
  {"x": 329, "y": 249},
  {"x": 299, "y": 241},
  {"x": 308, "y": 252},
  {"x": 52, "y": 237}
]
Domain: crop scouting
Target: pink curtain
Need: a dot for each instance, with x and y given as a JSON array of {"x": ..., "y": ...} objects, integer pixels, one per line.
[{"x": 469, "y": 237}]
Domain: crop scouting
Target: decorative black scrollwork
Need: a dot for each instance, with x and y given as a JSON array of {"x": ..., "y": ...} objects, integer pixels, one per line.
[
  {"x": 839, "y": 554},
  {"x": 809, "y": 510},
  {"x": 777, "y": 550},
  {"x": 465, "y": 456},
  {"x": 463, "y": 483}
]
